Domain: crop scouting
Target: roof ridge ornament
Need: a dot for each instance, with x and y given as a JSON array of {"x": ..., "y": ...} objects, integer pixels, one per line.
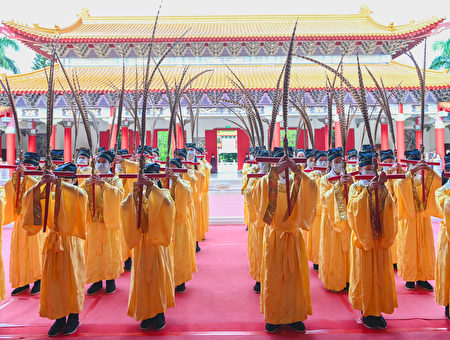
[
  {"x": 84, "y": 13},
  {"x": 365, "y": 11}
]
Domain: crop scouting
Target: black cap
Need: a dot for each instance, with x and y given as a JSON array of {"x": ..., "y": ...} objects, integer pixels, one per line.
[
  {"x": 84, "y": 152},
  {"x": 413, "y": 155},
  {"x": 108, "y": 155},
  {"x": 67, "y": 167},
  {"x": 365, "y": 158},
  {"x": 177, "y": 162},
  {"x": 335, "y": 153},
  {"x": 57, "y": 155},
  {"x": 190, "y": 145},
  {"x": 386, "y": 154},
  {"x": 352, "y": 153},
  {"x": 122, "y": 152},
  {"x": 182, "y": 153},
  {"x": 31, "y": 158},
  {"x": 152, "y": 168},
  {"x": 309, "y": 153}
]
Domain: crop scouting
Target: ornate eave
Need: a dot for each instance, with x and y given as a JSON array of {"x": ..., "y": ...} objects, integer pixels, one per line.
[{"x": 101, "y": 37}]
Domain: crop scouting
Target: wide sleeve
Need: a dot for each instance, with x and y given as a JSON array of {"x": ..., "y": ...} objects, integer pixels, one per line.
[
  {"x": 72, "y": 211},
  {"x": 432, "y": 207},
  {"x": 405, "y": 198},
  {"x": 112, "y": 196},
  {"x": 128, "y": 216},
  {"x": 359, "y": 219},
  {"x": 11, "y": 194},
  {"x": 306, "y": 202},
  {"x": 183, "y": 196},
  {"x": 443, "y": 202},
  {"x": 260, "y": 198},
  {"x": 31, "y": 208},
  {"x": 161, "y": 216}
]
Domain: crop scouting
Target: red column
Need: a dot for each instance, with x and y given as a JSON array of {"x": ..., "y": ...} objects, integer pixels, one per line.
[
  {"x": 384, "y": 136},
  {"x": 67, "y": 144},
  {"x": 418, "y": 134},
  {"x": 276, "y": 135},
  {"x": 400, "y": 127},
  {"x": 124, "y": 138},
  {"x": 211, "y": 144},
  {"x": 155, "y": 139},
  {"x": 337, "y": 135},
  {"x": 32, "y": 138},
  {"x": 439, "y": 133},
  {"x": 53, "y": 138},
  {"x": 243, "y": 143},
  {"x": 180, "y": 141},
  {"x": 11, "y": 143}
]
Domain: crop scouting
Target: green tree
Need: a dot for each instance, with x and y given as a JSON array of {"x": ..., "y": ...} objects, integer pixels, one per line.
[
  {"x": 5, "y": 62},
  {"x": 39, "y": 62},
  {"x": 442, "y": 61}
]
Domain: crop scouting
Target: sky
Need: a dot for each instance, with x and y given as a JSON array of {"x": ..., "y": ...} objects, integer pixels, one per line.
[{"x": 48, "y": 13}]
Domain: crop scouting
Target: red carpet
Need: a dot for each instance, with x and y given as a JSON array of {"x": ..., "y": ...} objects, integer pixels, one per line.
[{"x": 219, "y": 302}]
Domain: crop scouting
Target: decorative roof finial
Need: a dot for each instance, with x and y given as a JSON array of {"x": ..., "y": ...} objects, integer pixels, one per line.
[
  {"x": 365, "y": 11},
  {"x": 84, "y": 13}
]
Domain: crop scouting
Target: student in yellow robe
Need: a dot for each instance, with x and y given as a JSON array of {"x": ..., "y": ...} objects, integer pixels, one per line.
[
  {"x": 416, "y": 256},
  {"x": 197, "y": 194},
  {"x": 152, "y": 287},
  {"x": 2, "y": 270},
  {"x": 83, "y": 165},
  {"x": 255, "y": 226},
  {"x": 352, "y": 156},
  {"x": 285, "y": 297},
  {"x": 63, "y": 275},
  {"x": 104, "y": 256},
  {"x": 387, "y": 156},
  {"x": 334, "y": 261},
  {"x": 205, "y": 196},
  {"x": 25, "y": 264},
  {"x": 319, "y": 159},
  {"x": 442, "y": 292},
  {"x": 372, "y": 286},
  {"x": 183, "y": 252}
]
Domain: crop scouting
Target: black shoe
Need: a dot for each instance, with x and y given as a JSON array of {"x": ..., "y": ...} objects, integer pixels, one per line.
[
  {"x": 298, "y": 326},
  {"x": 180, "y": 288},
  {"x": 316, "y": 267},
  {"x": 270, "y": 328},
  {"x": 72, "y": 324},
  {"x": 146, "y": 324},
  {"x": 57, "y": 327},
  {"x": 425, "y": 285},
  {"x": 347, "y": 286},
  {"x": 20, "y": 290},
  {"x": 381, "y": 322},
  {"x": 110, "y": 286},
  {"x": 370, "y": 321},
  {"x": 257, "y": 287},
  {"x": 127, "y": 265},
  {"x": 410, "y": 285},
  {"x": 447, "y": 312},
  {"x": 36, "y": 288},
  {"x": 395, "y": 266},
  {"x": 159, "y": 322},
  {"x": 246, "y": 228},
  {"x": 197, "y": 248},
  {"x": 94, "y": 288}
]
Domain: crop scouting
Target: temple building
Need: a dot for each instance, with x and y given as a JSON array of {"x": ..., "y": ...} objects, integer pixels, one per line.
[{"x": 254, "y": 47}]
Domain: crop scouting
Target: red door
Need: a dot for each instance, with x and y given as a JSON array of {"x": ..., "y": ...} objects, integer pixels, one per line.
[
  {"x": 211, "y": 143},
  {"x": 243, "y": 143}
]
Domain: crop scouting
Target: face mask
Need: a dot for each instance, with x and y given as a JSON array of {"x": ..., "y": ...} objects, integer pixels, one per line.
[
  {"x": 82, "y": 161},
  {"x": 337, "y": 167},
  {"x": 156, "y": 157},
  {"x": 190, "y": 155},
  {"x": 102, "y": 168},
  {"x": 367, "y": 172},
  {"x": 118, "y": 167},
  {"x": 309, "y": 163},
  {"x": 263, "y": 167},
  {"x": 322, "y": 163}
]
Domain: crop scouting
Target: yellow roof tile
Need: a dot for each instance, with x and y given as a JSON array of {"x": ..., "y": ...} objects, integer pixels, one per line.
[{"x": 304, "y": 76}]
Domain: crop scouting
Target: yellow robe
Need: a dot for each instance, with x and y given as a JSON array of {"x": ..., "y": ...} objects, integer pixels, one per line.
[
  {"x": 334, "y": 261},
  {"x": 201, "y": 184},
  {"x": 152, "y": 285},
  {"x": 85, "y": 170},
  {"x": 285, "y": 293},
  {"x": 416, "y": 256},
  {"x": 63, "y": 275},
  {"x": 205, "y": 197},
  {"x": 372, "y": 286},
  {"x": 196, "y": 179},
  {"x": 104, "y": 257},
  {"x": 183, "y": 251},
  {"x": 255, "y": 232},
  {"x": 442, "y": 289},
  {"x": 25, "y": 264},
  {"x": 313, "y": 234},
  {"x": 2, "y": 270}
]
